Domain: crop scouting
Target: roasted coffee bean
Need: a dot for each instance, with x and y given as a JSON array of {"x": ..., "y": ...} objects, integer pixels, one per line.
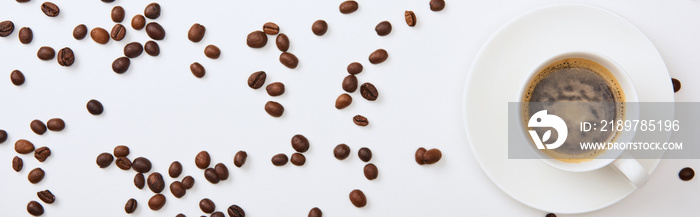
[
  {"x": 17, "y": 78},
  {"x": 282, "y": 42},
  {"x": 432, "y": 156},
  {"x": 105, "y": 1},
  {"x": 298, "y": 159},
  {"x": 65, "y": 57},
  {"x": 121, "y": 151},
  {"x": 274, "y": 109},
  {"x": 80, "y": 31},
  {"x": 177, "y": 189},
  {"x": 17, "y": 164},
  {"x": 341, "y": 151},
  {"x": 123, "y": 163},
  {"x": 34, "y": 208},
  {"x": 196, "y": 32},
  {"x": 118, "y": 32},
  {"x": 25, "y": 35},
  {"x": 365, "y": 154},
  {"x": 289, "y": 60},
  {"x": 187, "y": 182},
  {"x": 197, "y": 70},
  {"x": 343, "y": 101},
  {"x": 239, "y": 158},
  {"x": 300, "y": 143},
  {"x": 207, "y": 206},
  {"x": 152, "y": 11},
  {"x": 210, "y": 175},
  {"x": 152, "y": 48},
  {"x": 180, "y": 215},
  {"x": 358, "y": 198},
  {"x": 350, "y": 83},
  {"x": 41, "y": 154},
  {"x": 139, "y": 181},
  {"x": 155, "y": 182},
  {"x": 347, "y": 7},
  {"x": 275, "y": 88},
  {"x": 202, "y": 160},
  {"x": 686, "y": 174},
  {"x": 419, "y": 155},
  {"x": 155, "y": 31},
  {"x": 218, "y": 214},
  {"x": 368, "y": 91},
  {"x": 256, "y": 39},
  {"x": 235, "y": 211},
  {"x": 550, "y": 215},
  {"x": 437, "y": 5},
  {"x": 117, "y": 14},
  {"x": 257, "y": 79},
  {"x": 23, "y": 146},
  {"x": 46, "y": 53},
  {"x": 141, "y": 165},
  {"x": 56, "y": 124},
  {"x": 138, "y": 22},
  {"x": 410, "y": 18},
  {"x": 354, "y": 68},
  {"x": 104, "y": 160},
  {"x": 320, "y": 27},
  {"x": 212, "y": 51},
  {"x": 133, "y": 50},
  {"x": 46, "y": 196},
  {"x": 371, "y": 171},
  {"x": 121, "y": 65},
  {"x": 383, "y": 28},
  {"x": 156, "y": 202},
  {"x": 3, "y": 136},
  {"x": 221, "y": 171},
  {"x": 676, "y": 85},
  {"x": 99, "y": 35},
  {"x": 50, "y": 9},
  {"x": 38, "y": 127},
  {"x": 378, "y": 56},
  {"x": 360, "y": 120},
  {"x": 94, "y": 107},
  {"x": 6, "y": 28},
  {"x": 175, "y": 169},
  {"x": 271, "y": 28},
  {"x": 279, "y": 159},
  {"x": 36, "y": 175},
  {"x": 130, "y": 206}
]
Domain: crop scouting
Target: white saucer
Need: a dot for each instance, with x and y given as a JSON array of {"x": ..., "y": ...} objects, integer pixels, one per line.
[{"x": 498, "y": 73}]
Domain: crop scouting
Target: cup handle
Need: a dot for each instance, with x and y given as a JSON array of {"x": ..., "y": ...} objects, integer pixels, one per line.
[{"x": 631, "y": 169}]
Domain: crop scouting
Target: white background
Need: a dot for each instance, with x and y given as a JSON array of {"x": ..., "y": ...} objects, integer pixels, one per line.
[{"x": 162, "y": 112}]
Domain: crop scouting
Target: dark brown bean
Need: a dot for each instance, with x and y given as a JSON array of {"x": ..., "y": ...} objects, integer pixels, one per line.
[
  {"x": 138, "y": 22},
  {"x": 320, "y": 27},
  {"x": 369, "y": 92},
  {"x": 315, "y": 212},
  {"x": 175, "y": 169},
  {"x": 378, "y": 56},
  {"x": 347, "y": 7},
  {"x": 3, "y": 136},
  {"x": 207, "y": 206},
  {"x": 117, "y": 14},
  {"x": 360, "y": 120},
  {"x": 155, "y": 31},
  {"x": 152, "y": 48},
  {"x": 279, "y": 159},
  {"x": 141, "y": 165},
  {"x": 282, "y": 42},
  {"x": 202, "y": 160},
  {"x": 36, "y": 175},
  {"x": 300, "y": 143},
  {"x": 23, "y": 146},
  {"x": 46, "y": 196},
  {"x": 275, "y": 88},
  {"x": 550, "y": 215},
  {"x": 17, "y": 163},
  {"x": 419, "y": 155},
  {"x": 155, "y": 182},
  {"x": 343, "y": 101},
  {"x": 196, "y": 32},
  {"x": 123, "y": 163},
  {"x": 432, "y": 156},
  {"x": 50, "y": 9},
  {"x": 6, "y": 28},
  {"x": 383, "y": 28},
  {"x": 221, "y": 171},
  {"x": 235, "y": 211},
  {"x": 341, "y": 151},
  {"x": 177, "y": 189},
  {"x": 350, "y": 83},
  {"x": 371, "y": 171},
  {"x": 139, "y": 180},
  {"x": 289, "y": 60},
  {"x": 130, "y": 206},
  {"x": 210, "y": 175},
  {"x": 156, "y": 202},
  {"x": 358, "y": 198},
  {"x": 686, "y": 174},
  {"x": 437, "y": 5},
  {"x": 34, "y": 208},
  {"x": 118, "y": 32},
  {"x": 38, "y": 127},
  {"x": 17, "y": 78},
  {"x": 218, "y": 214},
  {"x": 271, "y": 28},
  {"x": 121, "y": 151},
  {"x": 256, "y": 39},
  {"x": 298, "y": 159},
  {"x": 676, "y": 85},
  {"x": 180, "y": 215},
  {"x": 257, "y": 79},
  {"x": 25, "y": 35},
  {"x": 212, "y": 51},
  {"x": 80, "y": 31},
  {"x": 65, "y": 57},
  {"x": 187, "y": 182},
  {"x": 354, "y": 68},
  {"x": 240, "y": 158},
  {"x": 94, "y": 107},
  {"x": 133, "y": 49},
  {"x": 152, "y": 11},
  {"x": 365, "y": 154},
  {"x": 410, "y": 18},
  {"x": 274, "y": 109},
  {"x": 121, "y": 65},
  {"x": 56, "y": 124},
  {"x": 99, "y": 35},
  {"x": 41, "y": 154},
  {"x": 104, "y": 160},
  {"x": 45, "y": 53}
]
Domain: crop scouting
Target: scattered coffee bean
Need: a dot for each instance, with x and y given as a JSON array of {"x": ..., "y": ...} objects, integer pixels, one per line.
[
  {"x": 419, "y": 155},
  {"x": 121, "y": 65},
  {"x": 686, "y": 174},
  {"x": 271, "y": 28},
  {"x": 360, "y": 120},
  {"x": 274, "y": 109},
  {"x": 130, "y": 206},
  {"x": 121, "y": 151},
  {"x": 56, "y": 124},
  {"x": 118, "y": 32},
  {"x": 36, "y": 175},
  {"x": 341, "y": 151},
  {"x": 275, "y": 88},
  {"x": 156, "y": 202},
  {"x": 347, "y": 7},
  {"x": 371, "y": 171},
  {"x": 152, "y": 11},
  {"x": 365, "y": 154},
  {"x": 187, "y": 182},
  {"x": 45, "y": 53},
  {"x": 298, "y": 159},
  {"x": 410, "y": 18},
  {"x": 104, "y": 160},
  {"x": 17, "y": 163},
  {"x": 221, "y": 171},
  {"x": 34, "y": 208},
  {"x": 117, "y": 14},
  {"x": 3, "y": 136},
  {"x": 152, "y": 48},
  {"x": 279, "y": 159},
  {"x": 432, "y": 156},
  {"x": 343, "y": 101},
  {"x": 315, "y": 212},
  {"x": 378, "y": 56},
  {"x": 235, "y": 211},
  {"x": 133, "y": 50},
  {"x": 256, "y": 39},
  {"x": 94, "y": 107},
  {"x": 202, "y": 160},
  {"x": 180, "y": 215},
  {"x": 46, "y": 196},
  {"x": 354, "y": 68},
  {"x": 320, "y": 27},
  {"x": 6, "y": 28},
  {"x": 550, "y": 215},
  {"x": 155, "y": 182},
  {"x": 289, "y": 60},
  {"x": 217, "y": 214},
  {"x": 99, "y": 35},
  {"x": 175, "y": 169},
  {"x": 141, "y": 165},
  {"x": 257, "y": 79},
  {"x": 17, "y": 78},
  {"x": 240, "y": 158},
  {"x": 25, "y": 35},
  {"x": 65, "y": 57},
  {"x": 23, "y": 146},
  {"x": 383, "y": 28},
  {"x": 210, "y": 175},
  {"x": 676, "y": 85},
  {"x": 368, "y": 91},
  {"x": 50, "y": 9},
  {"x": 300, "y": 143},
  {"x": 358, "y": 198},
  {"x": 41, "y": 154},
  {"x": 437, "y": 5},
  {"x": 155, "y": 31},
  {"x": 212, "y": 51},
  {"x": 123, "y": 163},
  {"x": 177, "y": 189},
  {"x": 138, "y": 22},
  {"x": 80, "y": 31},
  {"x": 38, "y": 127},
  {"x": 196, "y": 32},
  {"x": 139, "y": 181},
  {"x": 350, "y": 83},
  {"x": 282, "y": 42},
  {"x": 207, "y": 206}
]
